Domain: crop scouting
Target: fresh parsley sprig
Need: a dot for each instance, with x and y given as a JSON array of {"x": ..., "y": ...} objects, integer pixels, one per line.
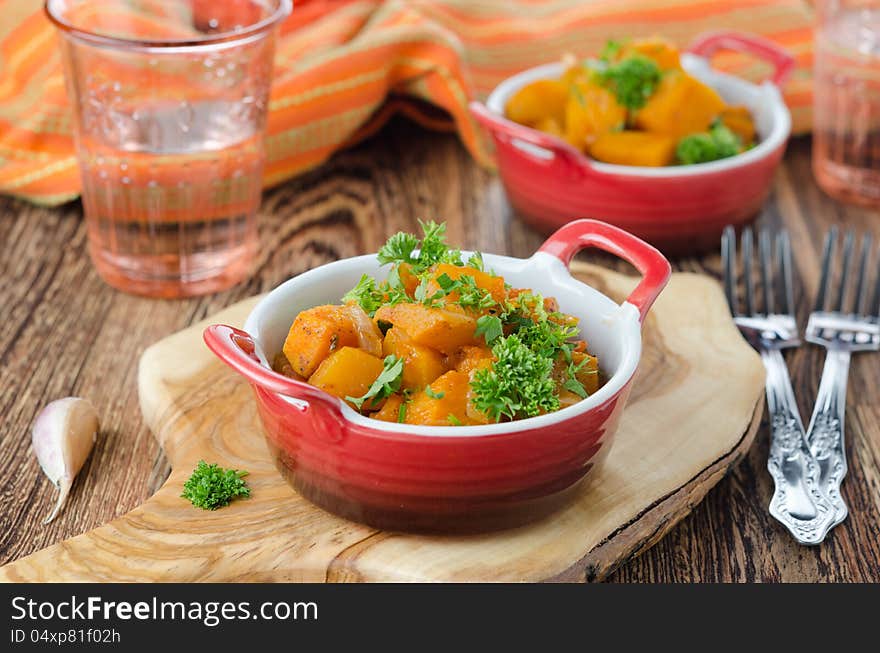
[
  {"x": 518, "y": 384},
  {"x": 385, "y": 385},
  {"x": 432, "y": 248},
  {"x": 211, "y": 487},
  {"x": 490, "y": 327},
  {"x": 633, "y": 79},
  {"x": 371, "y": 295}
]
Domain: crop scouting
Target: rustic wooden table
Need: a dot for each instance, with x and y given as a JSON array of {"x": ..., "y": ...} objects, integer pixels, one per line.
[{"x": 69, "y": 334}]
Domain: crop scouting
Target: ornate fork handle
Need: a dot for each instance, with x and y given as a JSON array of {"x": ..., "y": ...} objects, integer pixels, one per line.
[
  {"x": 825, "y": 435},
  {"x": 798, "y": 501}
]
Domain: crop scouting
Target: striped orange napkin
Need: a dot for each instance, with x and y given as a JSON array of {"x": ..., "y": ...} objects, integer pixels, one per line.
[{"x": 344, "y": 66}]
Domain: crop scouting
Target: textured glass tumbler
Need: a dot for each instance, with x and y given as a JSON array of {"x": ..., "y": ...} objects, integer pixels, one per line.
[
  {"x": 169, "y": 103},
  {"x": 846, "y": 100}
]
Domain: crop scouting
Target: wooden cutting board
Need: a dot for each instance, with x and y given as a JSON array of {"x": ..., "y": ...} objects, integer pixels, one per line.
[{"x": 693, "y": 413}]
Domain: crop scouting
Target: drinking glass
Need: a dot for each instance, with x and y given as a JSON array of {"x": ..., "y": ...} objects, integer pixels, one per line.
[
  {"x": 846, "y": 106},
  {"x": 169, "y": 103}
]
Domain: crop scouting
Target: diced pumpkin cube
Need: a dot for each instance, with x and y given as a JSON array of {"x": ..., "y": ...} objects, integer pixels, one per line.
[
  {"x": 550, "y": 126},
  {"x": 661, "y": 51},
  {"x": 537, "y": 101},
  {"x": 421, "y": 364},
  {"x": 739, "y": 121},
  {"x": 634, "y": 148},
  {"x": 390, "y": 411},
  {"x": 493, "y": 285},
  {"x": 681, "y": 105},
  {"x": 469, "y": 358},
  {"x": 314, "y": 334},
  {"x": 347, "y": 372},
  {"x": 436, "y": 328},
  {"x": 591, "y": 110},
  {"x": 409, "y": 280},
  {"x": 588, "y": 375},
  {"x": 449, "y": 398}
]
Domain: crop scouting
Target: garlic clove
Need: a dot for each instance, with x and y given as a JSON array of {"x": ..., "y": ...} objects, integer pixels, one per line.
[{"x": 62, "y": 438}]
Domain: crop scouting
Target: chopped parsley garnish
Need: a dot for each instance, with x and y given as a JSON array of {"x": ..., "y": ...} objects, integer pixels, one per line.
[
  {"x": 532, "y": 343},
  {"x": 718, "y": 143},
  {"x": 611, "y": 50},
  {"x": 434, "y": 395},
  {"x": 476, "y": 261},
  {"x": 518, "y": 384},
  {"x": 366, "y": 294},
  {"x": 370, "y": 296},
  {"x": 490, "y": 327},
  {"x": 632, "y": 80},
  {"x": 385, "y": 385},
  {"x": 211, "y": 487},
  {"x": 401, "y": 412},
  {"x": 398, "y": 249},
  {"x": 432, "y": 248}
]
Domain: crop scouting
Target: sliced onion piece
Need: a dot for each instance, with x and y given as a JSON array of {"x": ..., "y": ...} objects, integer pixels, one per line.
[{"x": 369, "y": 336}]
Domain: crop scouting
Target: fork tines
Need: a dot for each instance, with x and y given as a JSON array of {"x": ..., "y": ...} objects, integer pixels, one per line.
[
  {"x": 849, "y": 300},
  {"x": 772, "y": 305}
]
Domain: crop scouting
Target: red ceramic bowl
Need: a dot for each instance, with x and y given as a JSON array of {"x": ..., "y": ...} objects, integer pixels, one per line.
[
  {"x": 680, "y": 209},
  {"x": 431, "y": 478}
]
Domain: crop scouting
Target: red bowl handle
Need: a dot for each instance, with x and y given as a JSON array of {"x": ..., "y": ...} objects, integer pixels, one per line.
[
  {"x": 237, "y": 349},
  {"x": 709, "y": 43},
  {"x": 579, "y": 234},
  {"x": 566, "y": 161}
]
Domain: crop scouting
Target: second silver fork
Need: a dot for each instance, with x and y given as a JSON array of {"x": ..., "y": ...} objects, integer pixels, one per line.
[
  {"x": 798, "y": 501},
  {"x": 842, "y": 328}
]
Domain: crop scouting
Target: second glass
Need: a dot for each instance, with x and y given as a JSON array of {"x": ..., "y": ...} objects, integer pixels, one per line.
[{"x": 169, "y": 100}]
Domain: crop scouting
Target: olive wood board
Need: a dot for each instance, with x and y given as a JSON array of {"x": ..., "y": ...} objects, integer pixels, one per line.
[{"x": 693, "y": 413}]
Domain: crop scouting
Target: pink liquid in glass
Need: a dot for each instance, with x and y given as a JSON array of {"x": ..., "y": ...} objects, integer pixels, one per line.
[
  {"x": 169, "y": 99},
  {"x": 846, "y": 130}
]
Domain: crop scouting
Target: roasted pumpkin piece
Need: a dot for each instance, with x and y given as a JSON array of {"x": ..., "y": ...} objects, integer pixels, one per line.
[
  {"x": 537, "y": 101},
  {"x": 442, "y": 403},
  {"x": 436, "y": 328},
  {"x": 347, "y": 372},
  {"x": 390, "y": 411},
  {"x": 421, "y": 364},
  {"x": 409, "y": 280},
  {"x": 591, "y": 110},
  {"x": 469, "y": 358},
  {"x": 588, "y": 374},
  {"x": 550, "y": 126},
  {"x": 739, "y": 121},
  {"x": 681, "y": 105},
  {"x": 493, "y": 285},
  {"x": 315, "y": 333},
  {"x": 634, "y": 148},
  {"x": 659, "y": 50}
]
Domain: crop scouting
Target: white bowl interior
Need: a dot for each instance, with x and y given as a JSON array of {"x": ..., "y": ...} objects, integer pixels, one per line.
[
  {"x": 765, "y": 103},
  {"x": 611, "y": 330}
]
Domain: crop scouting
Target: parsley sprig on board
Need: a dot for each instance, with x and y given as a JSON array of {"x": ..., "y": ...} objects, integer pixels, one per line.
[{"x": 211, "y": 487}]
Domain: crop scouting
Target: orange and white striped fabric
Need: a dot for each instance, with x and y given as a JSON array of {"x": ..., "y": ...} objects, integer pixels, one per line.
[{"x": 344, "y": 66}]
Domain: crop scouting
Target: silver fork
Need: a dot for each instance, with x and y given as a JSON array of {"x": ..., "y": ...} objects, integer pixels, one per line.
[
  {"x": 844, "y": 328},
  {"x": 797, "y": 502}
]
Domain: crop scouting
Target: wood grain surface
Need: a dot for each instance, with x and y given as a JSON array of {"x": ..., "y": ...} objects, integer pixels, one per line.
[
  {"x": 67, "y": 333},
  {"x": 683, "y": 427}
]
